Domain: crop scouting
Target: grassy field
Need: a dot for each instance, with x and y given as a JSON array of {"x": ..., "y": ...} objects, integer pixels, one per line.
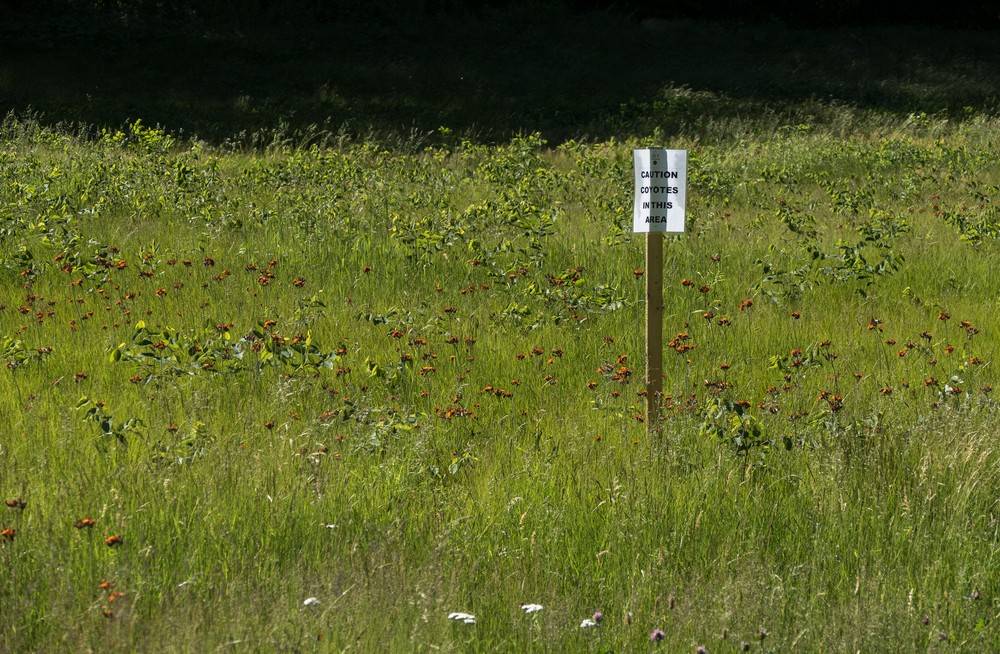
[{"x": 287, "y": 386}]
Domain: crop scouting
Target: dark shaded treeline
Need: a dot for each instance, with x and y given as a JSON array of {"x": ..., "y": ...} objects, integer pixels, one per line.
[
  {"x": 821, "y": 13},
  {"x": 25, "y": 17},
  {"x": 361, "y": 70}
]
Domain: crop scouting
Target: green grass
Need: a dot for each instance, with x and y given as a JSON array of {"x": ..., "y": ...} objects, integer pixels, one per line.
[{"x": 442, "y": 415}]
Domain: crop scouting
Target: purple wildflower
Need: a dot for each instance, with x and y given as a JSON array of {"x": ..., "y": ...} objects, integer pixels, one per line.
[{"x": 657, "y": 635}]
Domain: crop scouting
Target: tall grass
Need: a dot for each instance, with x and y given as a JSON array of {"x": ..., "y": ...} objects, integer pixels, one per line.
[{"x": 405, "y": 382}]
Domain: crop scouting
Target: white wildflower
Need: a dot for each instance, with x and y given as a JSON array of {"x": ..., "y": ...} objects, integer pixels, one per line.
[
  {"x": 531, "y": 608},
  {"x": 587, "y": 623},
  {"x": 467, "y": 618},
  {"x": 311, "y": 601}
]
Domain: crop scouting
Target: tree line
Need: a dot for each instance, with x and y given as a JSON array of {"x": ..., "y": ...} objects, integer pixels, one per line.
[{"x": 819, "y": 13}]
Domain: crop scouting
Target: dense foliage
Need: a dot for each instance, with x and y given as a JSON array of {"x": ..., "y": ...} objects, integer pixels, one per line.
[{"x": 977, "y": 13}]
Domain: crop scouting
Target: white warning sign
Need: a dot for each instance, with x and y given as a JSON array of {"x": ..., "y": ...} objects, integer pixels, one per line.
[{"x": 660, "y": 189}]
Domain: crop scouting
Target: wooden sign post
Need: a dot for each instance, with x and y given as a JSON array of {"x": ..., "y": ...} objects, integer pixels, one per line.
[
  {"x": 660, "y": 193},
  {"x": 654, "y": 327}
]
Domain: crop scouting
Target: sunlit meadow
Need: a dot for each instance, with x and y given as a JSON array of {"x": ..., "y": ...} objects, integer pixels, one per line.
[{"x": 330, "y": 394}]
